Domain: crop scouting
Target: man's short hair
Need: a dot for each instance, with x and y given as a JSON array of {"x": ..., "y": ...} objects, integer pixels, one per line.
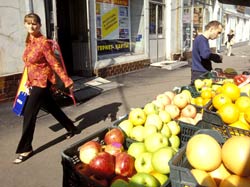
[{"x": 214, "y": 24}]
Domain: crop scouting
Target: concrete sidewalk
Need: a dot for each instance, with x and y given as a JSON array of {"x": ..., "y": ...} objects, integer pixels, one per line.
[{"x": 44, "y": 169}]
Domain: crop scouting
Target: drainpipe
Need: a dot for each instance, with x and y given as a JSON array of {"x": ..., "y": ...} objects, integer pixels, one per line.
[
  {"x": 29, "y": 6},
  {"x": 54, "y": 18}
]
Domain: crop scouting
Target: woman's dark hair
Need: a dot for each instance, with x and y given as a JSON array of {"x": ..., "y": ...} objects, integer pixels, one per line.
[{"x": 31, "y": 18}]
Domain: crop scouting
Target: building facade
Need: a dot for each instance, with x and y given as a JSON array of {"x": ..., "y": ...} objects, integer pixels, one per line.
[{"x": 109, "y": 37}]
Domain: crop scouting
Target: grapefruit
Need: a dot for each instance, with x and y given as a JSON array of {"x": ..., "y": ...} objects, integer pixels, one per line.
[
  {"x": 236, "y": 155},
  {"x": 203, "y": 178},
  {"x": 219, "y": 174},
  {"x": 243, "y": 103},
  {"x": 203, "y": 152},
  {"x": 235, "y": 181}
]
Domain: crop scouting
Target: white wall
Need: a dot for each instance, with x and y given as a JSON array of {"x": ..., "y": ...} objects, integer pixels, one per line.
[{"x": 12, "y": 33}]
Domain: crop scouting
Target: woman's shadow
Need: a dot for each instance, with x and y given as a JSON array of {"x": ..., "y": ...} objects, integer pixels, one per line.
[{"x": 87, "y": 119}]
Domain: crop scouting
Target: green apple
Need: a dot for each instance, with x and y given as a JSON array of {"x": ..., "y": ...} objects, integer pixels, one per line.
[
  {"x": 150, "y": 108},
  {"x": 126, "y": 125},
  {"x": 155, "y": 141},
  {"x": 174, "y": 127},
  {"x": 143, "y": 180},
  {"x": 174, "y": 141},
  {"x": 164, "y": 116},
  {"x": 137, "y": 133},
  {"x": 143, "y": 162},
  {"x": 162, "y": 178},
  {"x": 198, "y": 83},
  {"x": 154, "y": 119},
  {"x": 165, "y": 130},
  {"x": 119, "y": 183},
  {"x": 149, "y": 129},
  {"x": 136, "y": 148},
  {"x": 161, "y": 158},
  {"x": 137, "y": 116}
]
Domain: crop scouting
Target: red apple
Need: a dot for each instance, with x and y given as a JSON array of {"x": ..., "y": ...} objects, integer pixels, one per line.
[
  {"x": 180, "y": 100},
  {"x": 101, "y": 181},
  {"x": 103, "y": 165},
  {"x": 114, "y": 135},
  {"x": 189, "y": 111},
  {"x": 114, "y": 148},
  {"x": 83, "y": 169},
  {"x": 170, "y": 94},
  {"x": 173, "y": 110},
  {"x": 89, "y": 150},
  {"x": 124, "y": 164}
]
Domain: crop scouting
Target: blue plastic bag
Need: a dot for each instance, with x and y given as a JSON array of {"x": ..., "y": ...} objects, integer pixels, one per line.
[{"x": 19, "y": 103}]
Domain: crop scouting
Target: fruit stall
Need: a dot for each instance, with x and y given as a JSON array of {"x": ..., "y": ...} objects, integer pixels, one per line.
[{"x": 190, "y": 136}]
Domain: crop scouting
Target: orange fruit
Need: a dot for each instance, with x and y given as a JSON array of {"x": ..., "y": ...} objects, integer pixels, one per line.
[
  {"x": 219, "y": 100},
  {"x": 247, "y": 115},
  {"x": 199, "y": 101},
  {"x": 243, "y": 102},
  {"x": 206, "y": 94},
  {"x": 231, "y": 90},
  {"x": 229, "y": 113},
  {"x": 203, "y": 152}
]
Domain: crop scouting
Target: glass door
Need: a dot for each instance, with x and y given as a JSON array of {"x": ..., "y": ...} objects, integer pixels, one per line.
[{"x": 156, "y": 32}]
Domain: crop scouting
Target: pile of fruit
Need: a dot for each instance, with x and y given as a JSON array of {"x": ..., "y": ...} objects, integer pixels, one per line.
[{"x": 214, "y": 165}]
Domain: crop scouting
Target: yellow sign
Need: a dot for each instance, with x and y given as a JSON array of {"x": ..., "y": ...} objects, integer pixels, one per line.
[{"x": 110, "y": 22}]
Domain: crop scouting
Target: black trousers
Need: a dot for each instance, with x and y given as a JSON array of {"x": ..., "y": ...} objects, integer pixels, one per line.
[{"x": 39, "y": 97}]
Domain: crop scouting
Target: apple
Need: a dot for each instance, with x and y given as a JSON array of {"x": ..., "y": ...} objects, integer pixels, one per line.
[
  {"x": 189, "y": 111},
  {"x": 160, "y": 160},
  {"x": 208, "y": 82},
  {"x": 143, "y": 163},
  {"x": 159, "y": 104},
  {"x": 154, "y": 119},
  {"x": 162, "y": 178},
  {"x": 198, "y": 83},
  {"x": 173, "y": 110},
  {"x": 115, "y": 135},
  {"x": 89, "y": 150},
  {"x": 103, "y": 165},
  {"x": 136, "y": 148},
  {"x": 155, "y": 141},
  {"x": 124, "y": 164},
  {"x": 163, "y": 98},
  {"x": 174, "y": 141},
  {"x": 149, "y": 129},
  {"x": 137, "y": 116},
  {"x": 164, "y": 116},
  {"x": 126, "y": 126},
  {"x": 83, "y": 169},
  {"x": 188, "y": 95},
  {"x": 180, "y": 100},
  {"x": 150, "y": 108},
  {"x": 165, "y": 130},
  {"x": 143, "y": 180},
  {"x": 114, "y": 148},
  {"x": 119, "y": 183},
  {"x": 137, "y": 133},
  {"x": 101, "y": 181},
  {"x": 170, "y": 94},
  {"x": 188, "y": 120},
  {"x": 174, "y": 127}
]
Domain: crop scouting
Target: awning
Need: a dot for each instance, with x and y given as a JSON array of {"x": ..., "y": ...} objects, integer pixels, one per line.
[{"x": 236, "y": 2}]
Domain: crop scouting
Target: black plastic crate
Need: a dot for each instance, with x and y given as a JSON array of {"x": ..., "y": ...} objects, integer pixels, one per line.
[
  {"x": 70, "y": 161},
  {"x": 180, "y": 174}
]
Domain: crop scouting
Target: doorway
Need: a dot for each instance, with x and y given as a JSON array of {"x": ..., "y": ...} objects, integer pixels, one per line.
[
  {"x": 73, "y": 36},
  {"x": 157, "y": 46}
]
